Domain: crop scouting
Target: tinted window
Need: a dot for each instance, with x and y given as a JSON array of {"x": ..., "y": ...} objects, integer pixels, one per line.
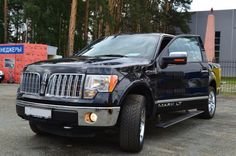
[
  {"x": 125, "y": 45},
  {"x": 189, "y": 45},
  {"x": 217, "y": 46}
]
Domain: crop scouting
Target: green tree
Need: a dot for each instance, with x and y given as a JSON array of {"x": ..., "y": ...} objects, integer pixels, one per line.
[
  {"x": 137, "y": 16},
  {"x": 47, "y": 21},
  {"x": 15, "y": 21},
  {"x": 156, "y": 16},
  {"x": 174, "y": 15}
]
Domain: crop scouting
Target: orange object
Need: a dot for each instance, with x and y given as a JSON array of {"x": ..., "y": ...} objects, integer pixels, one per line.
[
  {"x": 179, "y": 60},
  {"x": 113, "y": 82},
  {"x": 210, "y": 37}
]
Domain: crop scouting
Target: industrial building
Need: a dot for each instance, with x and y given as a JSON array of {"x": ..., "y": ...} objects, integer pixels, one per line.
[{"x": 225, "y": 32}]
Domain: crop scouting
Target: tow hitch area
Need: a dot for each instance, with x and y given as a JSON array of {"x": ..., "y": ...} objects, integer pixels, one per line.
[{"x": 180, "y": 117}]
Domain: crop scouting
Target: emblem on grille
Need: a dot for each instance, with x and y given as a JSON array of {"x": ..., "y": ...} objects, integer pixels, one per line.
[{"x": 43, "y": 83}]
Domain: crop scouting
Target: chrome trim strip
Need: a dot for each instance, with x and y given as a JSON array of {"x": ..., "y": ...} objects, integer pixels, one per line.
[
  {"x": 63, "y": 85},
  {"x": 107, "y": 116},
  {"x": 58, "y": 85},
  {"x": 61, "y": 107},
  {"x": 69, "y": 86},
  {"x": 182, "y": 99},
  {"x": 74, "y": 90},
  {"x": 53, "y": 85},
  {"x": 204, "y": 71}
]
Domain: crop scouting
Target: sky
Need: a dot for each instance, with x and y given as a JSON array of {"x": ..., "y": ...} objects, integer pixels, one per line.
[{"x": 203, "y": 5}]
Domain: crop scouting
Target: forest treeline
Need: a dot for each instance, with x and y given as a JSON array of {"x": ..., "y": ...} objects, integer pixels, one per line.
[{"x": 49, "y": 21}]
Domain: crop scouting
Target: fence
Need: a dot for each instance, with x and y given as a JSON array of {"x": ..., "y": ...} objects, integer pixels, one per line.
[{"x": 228, "y": 82}]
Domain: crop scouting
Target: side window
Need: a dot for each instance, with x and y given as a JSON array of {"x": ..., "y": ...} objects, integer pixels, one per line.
[{"x": 189, "y": 45}]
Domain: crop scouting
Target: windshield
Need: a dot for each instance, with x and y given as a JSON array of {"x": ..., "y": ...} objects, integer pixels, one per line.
[{"x": 123, "y": 46}]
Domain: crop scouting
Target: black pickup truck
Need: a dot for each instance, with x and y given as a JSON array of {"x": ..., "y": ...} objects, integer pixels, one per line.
[{"x": 119, "y": 81}]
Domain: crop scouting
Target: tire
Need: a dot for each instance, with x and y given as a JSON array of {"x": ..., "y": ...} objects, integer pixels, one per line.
[
  {"x": 35, "y": 129},
  {"x": 132, "y": 123},
  {"x": 210, "y": 107}
]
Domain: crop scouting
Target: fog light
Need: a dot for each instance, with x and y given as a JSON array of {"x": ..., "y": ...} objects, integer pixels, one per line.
[
  {"x": 90, "y": 117},
  {"x": 93, "y": 117}
]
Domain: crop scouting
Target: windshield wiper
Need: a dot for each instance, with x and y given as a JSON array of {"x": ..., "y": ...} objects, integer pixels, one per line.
[{"x": 110, "y": 55}]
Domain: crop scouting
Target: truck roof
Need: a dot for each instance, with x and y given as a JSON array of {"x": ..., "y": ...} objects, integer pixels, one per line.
[{"x": 155, "y": 34}]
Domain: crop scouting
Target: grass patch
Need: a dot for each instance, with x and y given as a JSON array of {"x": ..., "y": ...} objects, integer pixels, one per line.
[
  {"x": 228, "y": 86},
  {"x": 227, "y": 94},
  {"x": 228, "y": 79}
]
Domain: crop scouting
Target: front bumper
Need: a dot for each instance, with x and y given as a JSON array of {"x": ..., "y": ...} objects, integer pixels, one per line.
[{"x": 71, "y": 115}]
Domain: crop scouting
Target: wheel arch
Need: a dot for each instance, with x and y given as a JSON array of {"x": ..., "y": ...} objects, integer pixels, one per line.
[
  {"x": 141, "y": 88},
  {"x": 212, "y": 81}
]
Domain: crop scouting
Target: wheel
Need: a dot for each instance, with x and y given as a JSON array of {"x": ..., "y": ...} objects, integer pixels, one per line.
[
  {"x": 35, "y": 129},
  {"x": 210, "y": 108},
  {"x": 132, "y": 123}
]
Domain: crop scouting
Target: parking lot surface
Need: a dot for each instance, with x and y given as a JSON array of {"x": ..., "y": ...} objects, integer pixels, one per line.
[{"x": 196, "y": 137}]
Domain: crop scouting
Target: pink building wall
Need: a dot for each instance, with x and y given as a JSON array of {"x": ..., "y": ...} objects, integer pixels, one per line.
[{"x": 210, "y": 37}]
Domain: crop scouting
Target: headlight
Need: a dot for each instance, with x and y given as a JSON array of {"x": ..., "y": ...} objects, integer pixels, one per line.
[
  {"x": 99, "y": 83},
  {"x": 1, "y": 73}
]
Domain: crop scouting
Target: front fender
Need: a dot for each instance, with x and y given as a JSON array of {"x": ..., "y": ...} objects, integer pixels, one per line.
[{"x": 127, "y": 86}]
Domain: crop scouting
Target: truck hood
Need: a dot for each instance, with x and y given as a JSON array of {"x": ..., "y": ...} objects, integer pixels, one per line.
[{"x": 86, "y": 65}]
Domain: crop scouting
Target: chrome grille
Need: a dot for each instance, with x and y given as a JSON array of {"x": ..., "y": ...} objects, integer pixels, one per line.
[
  {"x": 30, "y": 83},
  {"x": 65, "y": 85}
]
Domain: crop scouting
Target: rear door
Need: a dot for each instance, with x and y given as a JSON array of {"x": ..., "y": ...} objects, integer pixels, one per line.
[{"x": 180, "y": 86}]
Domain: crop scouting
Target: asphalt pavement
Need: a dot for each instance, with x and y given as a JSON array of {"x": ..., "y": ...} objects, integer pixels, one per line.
[{"x": 193, "y": 137}]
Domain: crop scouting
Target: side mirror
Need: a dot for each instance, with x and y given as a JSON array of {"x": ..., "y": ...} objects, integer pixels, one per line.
[{"x": 174, "y": 58}]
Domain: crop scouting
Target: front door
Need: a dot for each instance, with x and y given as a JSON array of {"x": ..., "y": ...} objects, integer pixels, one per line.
[{"x": 180, "y": 86}]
